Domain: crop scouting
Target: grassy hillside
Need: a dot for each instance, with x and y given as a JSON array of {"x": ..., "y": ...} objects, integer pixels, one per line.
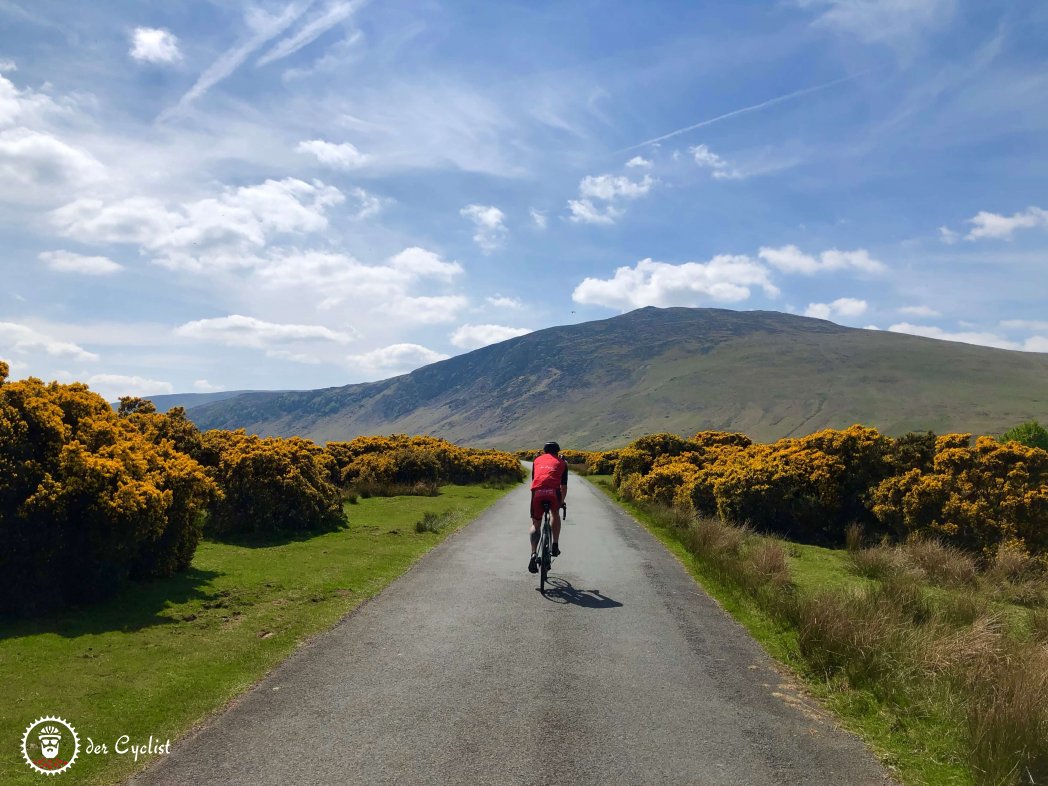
[{"x": 600, "y": 384}]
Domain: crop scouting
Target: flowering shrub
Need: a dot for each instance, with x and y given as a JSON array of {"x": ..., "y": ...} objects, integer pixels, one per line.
[
  {"x": 87, "y": 500},
  {"x": 812, "y": 488},
  {"x": 399, "y": 459},
  {"x": 270, "y": 484},
  {"x": 975, "y": 496}
]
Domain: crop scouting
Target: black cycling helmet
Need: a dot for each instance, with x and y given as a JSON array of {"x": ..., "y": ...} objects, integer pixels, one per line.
[{"x": 551, "y": 447}]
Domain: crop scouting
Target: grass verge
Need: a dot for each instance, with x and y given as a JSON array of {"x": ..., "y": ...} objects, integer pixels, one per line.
[
  {"x": 896, "y": 642},
  {"x": 163, "y": 656}
]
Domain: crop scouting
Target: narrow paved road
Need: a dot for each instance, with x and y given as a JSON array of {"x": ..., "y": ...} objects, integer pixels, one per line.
[{"x": 461, "y": 672}]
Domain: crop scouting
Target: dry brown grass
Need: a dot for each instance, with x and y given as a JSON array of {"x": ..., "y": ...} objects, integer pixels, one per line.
[
  {"x": 854, "y": 537},
  {"x": 879, "y": 562},
  {"x": 711, "y": 537},
  {"x": 1038, "y": 620},
  {"x": 1008, "y": 719},
  {"x": 770, "y": 562},
  {"x": 943, "y": 565},
  {"x": 1012, "y": 562},
  {"x": 862, "y": 635}
]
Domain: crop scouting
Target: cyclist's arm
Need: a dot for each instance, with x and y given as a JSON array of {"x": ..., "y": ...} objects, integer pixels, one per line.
[{"x": 564, "y": 483}]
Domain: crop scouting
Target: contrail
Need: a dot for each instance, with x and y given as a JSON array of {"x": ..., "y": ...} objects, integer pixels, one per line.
[
  {"x": 266, "y": 29},
  {"x": 754, "y": 108}
]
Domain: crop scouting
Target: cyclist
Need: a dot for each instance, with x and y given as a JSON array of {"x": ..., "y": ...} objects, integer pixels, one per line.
[{"x": 549, "y": 482}]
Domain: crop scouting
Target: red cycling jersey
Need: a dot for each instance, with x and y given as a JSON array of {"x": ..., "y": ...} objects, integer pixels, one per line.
[{"x": 548, "y": 472}]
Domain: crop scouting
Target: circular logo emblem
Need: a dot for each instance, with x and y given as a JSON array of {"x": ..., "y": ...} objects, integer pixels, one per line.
[{"x": 50, "y": 745}]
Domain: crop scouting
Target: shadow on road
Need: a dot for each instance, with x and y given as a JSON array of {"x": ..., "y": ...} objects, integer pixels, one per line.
[{"x": 561, "y": 591}]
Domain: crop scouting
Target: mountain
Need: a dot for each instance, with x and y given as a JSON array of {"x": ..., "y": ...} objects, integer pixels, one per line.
[
  {"x": 188, "y": 400},
  {"x": 600, "y": 384}
]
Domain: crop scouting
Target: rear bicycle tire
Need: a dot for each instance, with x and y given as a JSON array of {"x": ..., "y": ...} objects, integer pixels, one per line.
[{"x": 545, "y": 560}]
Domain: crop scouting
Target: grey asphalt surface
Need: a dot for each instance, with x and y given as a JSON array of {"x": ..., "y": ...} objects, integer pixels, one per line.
[{"x": 461, "y": 672}]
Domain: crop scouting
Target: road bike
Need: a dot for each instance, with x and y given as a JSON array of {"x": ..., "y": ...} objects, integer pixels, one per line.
[{"x": 544, "y": 553}]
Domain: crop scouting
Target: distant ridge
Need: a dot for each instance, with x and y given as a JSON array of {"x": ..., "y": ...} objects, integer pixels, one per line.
[
  {"x": 600, "y": 384},
  {"x": 168, "y": 401}
]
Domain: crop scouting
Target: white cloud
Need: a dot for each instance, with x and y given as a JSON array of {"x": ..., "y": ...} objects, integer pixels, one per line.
[
  {"x": 707, "y": 159},
  {"x": 638, "y": 161},
  {"x": 539, "y": 218},
  {"x": 919, "y": 311},
  {"x": 994, "y": 226},
  {"x": 240, "y": 331},
  {"x": 395, "y": 359},
  {"x": 490, "y": 231},
  {"x": 39, "y": 168},
  {"x": 113, "y": 386},
  {"x": 1024, "y": 324},
  {"x": 68, "y": 262},
  {"x": 723, "y": 279},
  {"x": 23, "y": 106},
  {"x": 335, "y": 278},
  {"x": 929, "y": 331},
  {"x": 500, "y": 301},
  {"x": 26, "y": 340},
  {"x": 370, "y": 205},
  {"x": 419, "y": 263},
  {"x": 948, "y": 236},
  {"x": 343, "y": 156},
  {"x": 153, "y": 45},
  {"x": 790, "y": 259},
  {"x": 206, "y": 387},
  {"x": 211, "y": 232},
  {"x": 475, "y": 336},
  {"x": 428, "y": 309},
  {"x": 841, "y": 307},
  {"x": 7, "y": 66},
  {"x": 1036, "y": 344},
  {"x": 610, "y": 187},
  {"x": 882, "y": 21},
  {"x": 583, "y": 211}
]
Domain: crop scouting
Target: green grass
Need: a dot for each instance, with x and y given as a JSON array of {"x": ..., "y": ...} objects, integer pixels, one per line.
[
  {"x": 164, "y": 656},
  {"x": 920, "y": 746}
]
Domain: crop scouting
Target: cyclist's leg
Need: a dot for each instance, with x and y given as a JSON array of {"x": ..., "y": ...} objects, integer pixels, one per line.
[
  {"x": 556, "y": 523},
  {"x": 533, "y": 534}
]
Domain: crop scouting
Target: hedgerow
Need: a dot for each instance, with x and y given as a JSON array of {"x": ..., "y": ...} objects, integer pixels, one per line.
[
  {"x": 399, "y": 461},
  {"x": 973, "y": 496},
  {"x": 87, "y": 500}
]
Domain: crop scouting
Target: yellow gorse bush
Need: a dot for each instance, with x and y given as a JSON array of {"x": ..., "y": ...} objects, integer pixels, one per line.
[
  {"x": 90, "y": 497},
  {"x": 86, "y": 499},
  {"x": 403, "y": 459},
  {"x": 975, "y": 496}
]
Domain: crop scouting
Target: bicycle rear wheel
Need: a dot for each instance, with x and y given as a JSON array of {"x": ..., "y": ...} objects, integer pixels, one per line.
[{"x": 545, "y": 553}]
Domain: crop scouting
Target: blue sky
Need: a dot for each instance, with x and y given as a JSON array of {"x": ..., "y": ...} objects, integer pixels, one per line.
[{"x": 209, "y": 195}]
